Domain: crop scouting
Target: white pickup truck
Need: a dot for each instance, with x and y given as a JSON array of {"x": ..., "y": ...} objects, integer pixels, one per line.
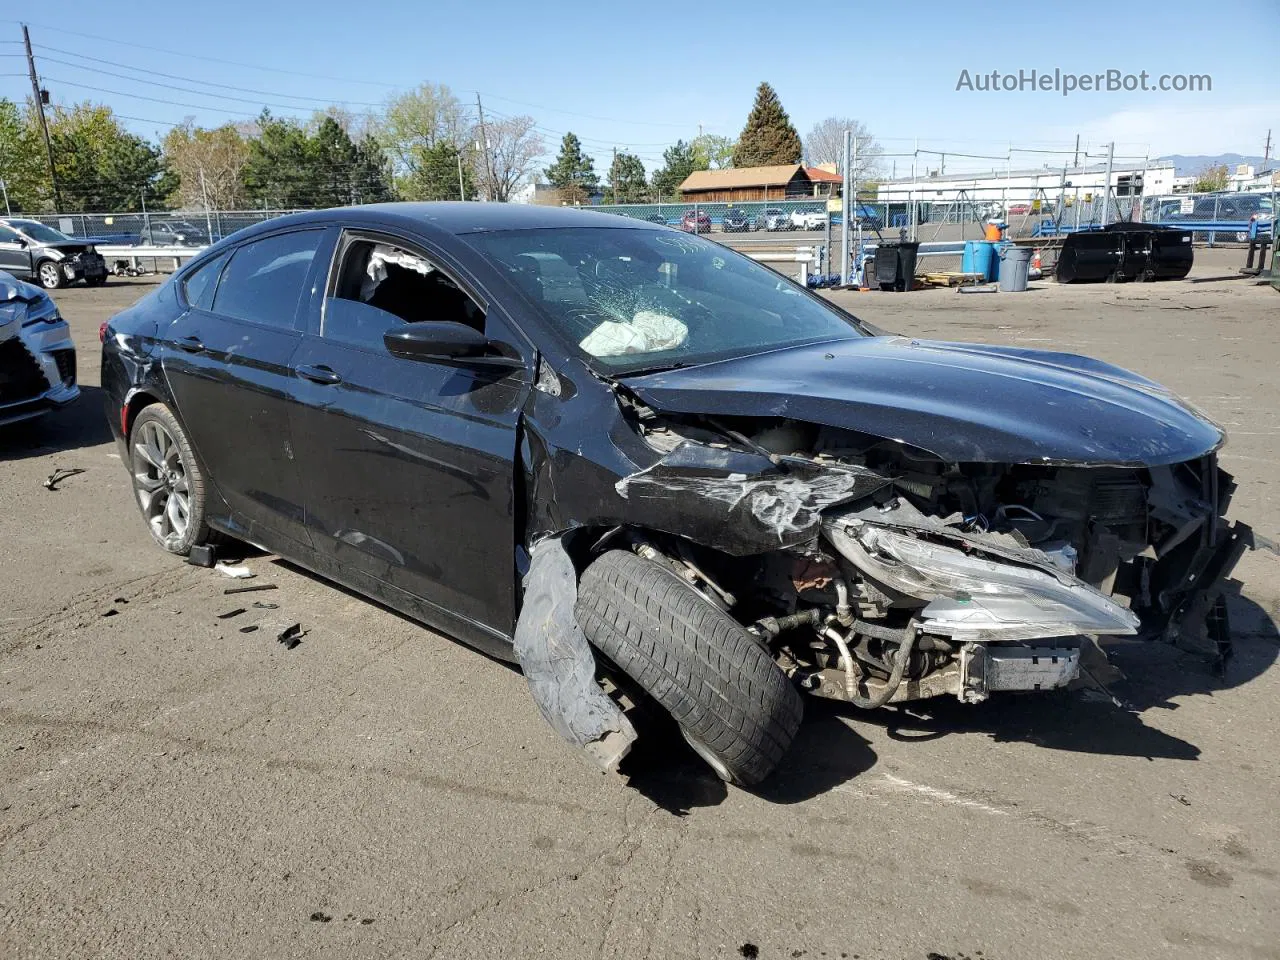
[{"x": 811, "y": 220}]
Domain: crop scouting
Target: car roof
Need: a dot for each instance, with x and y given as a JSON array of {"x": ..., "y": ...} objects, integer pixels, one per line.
[{"x": 459, "y": 217}]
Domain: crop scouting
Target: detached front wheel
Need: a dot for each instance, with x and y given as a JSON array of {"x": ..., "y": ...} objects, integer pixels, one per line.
[{"x": 734, "y": 705}]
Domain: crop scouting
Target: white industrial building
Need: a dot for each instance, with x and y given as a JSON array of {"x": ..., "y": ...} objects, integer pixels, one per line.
[{"x": 1022, "y": 186}]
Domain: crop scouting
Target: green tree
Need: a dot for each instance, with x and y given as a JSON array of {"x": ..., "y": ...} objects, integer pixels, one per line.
[
  {"x": 435, "y": 174},
  {"x": 678, "y": 161},
  {"x": 371, "y": 172},
  {"x": 416, "y": 121},
  {"x": 333, "y": 159},
  {"x": 627, "y": 180},
  {"x": 712, "y": 152},
  {"x": 768, "y": 138},
  {"x": 100, "y": 165},
  {"x": 23, "y": 166},
  {"x": 279, "y": 172},
  {"x": 573, "y": 173},
  {"x": 1211, "y": 179}
]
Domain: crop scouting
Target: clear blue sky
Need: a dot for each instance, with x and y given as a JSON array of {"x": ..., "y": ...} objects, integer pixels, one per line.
[{"x": 638, "y": 76}]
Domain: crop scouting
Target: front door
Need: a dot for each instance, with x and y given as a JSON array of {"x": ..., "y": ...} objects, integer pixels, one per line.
[
  {"x": 409, "y": 466},
  {"x": 227, "y": 361},
  {"x": 14, "y": 257}
]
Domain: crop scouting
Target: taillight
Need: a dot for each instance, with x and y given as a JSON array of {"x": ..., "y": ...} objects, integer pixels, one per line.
[{"x": 102, "y": 332}]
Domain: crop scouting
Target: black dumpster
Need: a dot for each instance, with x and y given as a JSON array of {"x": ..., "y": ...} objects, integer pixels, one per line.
[
  {"x": 895, "y": 264},
  {"x": 1125, "y": 251}
]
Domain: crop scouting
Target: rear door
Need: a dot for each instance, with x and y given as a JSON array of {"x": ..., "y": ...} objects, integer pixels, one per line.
[
  {"x": 408, "y": 465},
  {"x": 227, "y": 361}
]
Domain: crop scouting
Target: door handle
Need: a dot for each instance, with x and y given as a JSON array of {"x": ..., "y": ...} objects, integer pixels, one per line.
[
  {"x": 190, "y": 345},
  {"x": 318, "y": 373}
]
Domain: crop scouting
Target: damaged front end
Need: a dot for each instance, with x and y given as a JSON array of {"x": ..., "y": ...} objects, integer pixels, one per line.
[{"x": 879, "y": 572}]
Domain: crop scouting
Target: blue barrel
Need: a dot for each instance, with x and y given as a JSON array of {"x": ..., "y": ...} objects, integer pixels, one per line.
[{"x": 980, "y": 257}]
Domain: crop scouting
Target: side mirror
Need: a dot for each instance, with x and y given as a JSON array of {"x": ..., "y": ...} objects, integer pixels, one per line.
[
  {"x": 449, "y": 342},
  {"x": 21, "y": 241}
]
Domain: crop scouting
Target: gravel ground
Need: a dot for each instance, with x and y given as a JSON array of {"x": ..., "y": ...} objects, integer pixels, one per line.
[{"x": 172, "y": 784}]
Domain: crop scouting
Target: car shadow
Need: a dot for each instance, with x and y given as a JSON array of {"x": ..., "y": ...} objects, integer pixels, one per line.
[{"x": 81, "y": 425}]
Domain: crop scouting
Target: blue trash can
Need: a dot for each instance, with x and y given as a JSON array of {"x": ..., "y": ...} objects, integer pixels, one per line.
[{"x": 980, "y": 257}]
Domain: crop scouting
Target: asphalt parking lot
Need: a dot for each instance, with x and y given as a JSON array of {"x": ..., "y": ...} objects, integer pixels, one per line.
[{"x": 174, "y": 784}]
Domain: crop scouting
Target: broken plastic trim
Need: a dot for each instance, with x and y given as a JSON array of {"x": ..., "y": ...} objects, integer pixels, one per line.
[
  {"x": 558, "y": 662},
  {"x": 768, "y": 504}
]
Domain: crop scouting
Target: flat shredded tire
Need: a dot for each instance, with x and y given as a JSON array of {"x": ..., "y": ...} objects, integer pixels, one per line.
[{"x": 733, "y": 704}]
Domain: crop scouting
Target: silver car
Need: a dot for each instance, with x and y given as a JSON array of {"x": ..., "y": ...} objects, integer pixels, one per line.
[{"x": 37, "y": 357}]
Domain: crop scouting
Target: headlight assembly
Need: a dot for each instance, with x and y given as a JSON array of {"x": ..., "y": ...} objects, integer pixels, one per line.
[
  {"x": 972, "y": 598},
  {"x": 42, "y": 311}
]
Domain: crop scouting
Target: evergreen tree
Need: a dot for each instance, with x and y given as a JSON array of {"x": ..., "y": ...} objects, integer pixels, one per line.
[
  {"x": 678, "y": 161},
  {"x": 435, "y": 174},
  {"x": 768, "y": 138},
  {"x": 626, "y": 180},
  {"x": 573, "y": 173}
]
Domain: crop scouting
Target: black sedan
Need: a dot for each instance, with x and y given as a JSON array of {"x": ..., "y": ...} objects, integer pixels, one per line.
[{"x": 613, "y": 451}]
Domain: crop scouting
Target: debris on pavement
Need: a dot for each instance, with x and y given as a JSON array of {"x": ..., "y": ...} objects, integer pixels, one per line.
[
  {"x": 238, "y": 572},
  {"x": 60, "y": 474},
  {"x": 231, "y": 613},
  {"x": 1181, "y": 799},
  {"x": 110, "y": 613},
  {"x": 259, "y": 605},
  {"x": 202, "y": 555},
  {"x": 251, "y": 628},
  {"x": 252, "y": 588},
  {"x": 291, "y": 635}
]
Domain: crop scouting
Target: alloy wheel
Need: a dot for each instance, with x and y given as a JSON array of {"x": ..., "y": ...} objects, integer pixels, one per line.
[
  {"x": 161, "y": 482},
  {"x": 50, "y": 278}
]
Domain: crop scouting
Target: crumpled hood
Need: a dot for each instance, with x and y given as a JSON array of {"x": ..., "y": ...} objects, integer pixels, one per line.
[{"x": 964, "y": 402}]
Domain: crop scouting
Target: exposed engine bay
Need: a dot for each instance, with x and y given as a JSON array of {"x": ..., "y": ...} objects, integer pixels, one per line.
[{"x": 896, "y": 575}]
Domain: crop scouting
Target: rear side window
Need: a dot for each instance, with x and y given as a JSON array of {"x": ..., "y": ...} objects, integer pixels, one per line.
[
  {"x": 199, "y": 286},
  {"x": 264, "y": 279}
]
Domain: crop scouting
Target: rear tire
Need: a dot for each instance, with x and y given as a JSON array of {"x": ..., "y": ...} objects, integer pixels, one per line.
[
  {"x": 733, "y": 704},
  {"x": 168, "y": 481}
]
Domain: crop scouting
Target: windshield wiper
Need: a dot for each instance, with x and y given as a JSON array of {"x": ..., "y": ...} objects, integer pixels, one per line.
[{"x": 656, "y": 368}]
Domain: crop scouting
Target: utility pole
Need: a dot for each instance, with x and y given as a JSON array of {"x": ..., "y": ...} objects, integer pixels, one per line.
[
  {"x": 4, "y": 188},
  {"x": 847, "y": 206},
  {"x": 204, "y": 195},
  {"x": 484, "y": 144},
  {"x": 1266, "y": 152},
  {"x": 44, "y": 124},
  {"x": 462, "y": 191},
  {"x": 1075, "y": 160},
  {"x": 1106, "y": 192},
  {"x": 613, "y": 175}
]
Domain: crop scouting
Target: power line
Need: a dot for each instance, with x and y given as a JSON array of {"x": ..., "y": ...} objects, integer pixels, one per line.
[
  {"x": 139, "y": 96},
  {"x": 174, "y": 76}
]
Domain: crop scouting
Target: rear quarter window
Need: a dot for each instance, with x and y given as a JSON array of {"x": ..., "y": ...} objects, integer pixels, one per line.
[{"x": 199, "y": 286}]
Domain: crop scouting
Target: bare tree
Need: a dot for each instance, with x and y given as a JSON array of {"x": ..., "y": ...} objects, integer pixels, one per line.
[
  {"x": 514, "y": 146},
  {"x": 825, "y": 144},
  {"x": 220, "y": 154}
]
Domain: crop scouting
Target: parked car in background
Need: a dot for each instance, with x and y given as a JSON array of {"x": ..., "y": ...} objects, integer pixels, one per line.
[
  {"x": 772, "y": 218},
  {"x": 656, "y": 218},
  {"x": 735, "y": 220},
  {"x": 32, "y": 251},
  {"x": 1227, "y": 207},
  {"x": 173, "y": 233},
  {"x": 809, "y": 219},
  {"x": 695, "y": 222},
  {"x": 37, "y": 357}
]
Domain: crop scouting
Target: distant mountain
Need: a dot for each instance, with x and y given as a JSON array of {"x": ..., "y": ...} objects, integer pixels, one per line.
[{"x": 1185, "y": 166}]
